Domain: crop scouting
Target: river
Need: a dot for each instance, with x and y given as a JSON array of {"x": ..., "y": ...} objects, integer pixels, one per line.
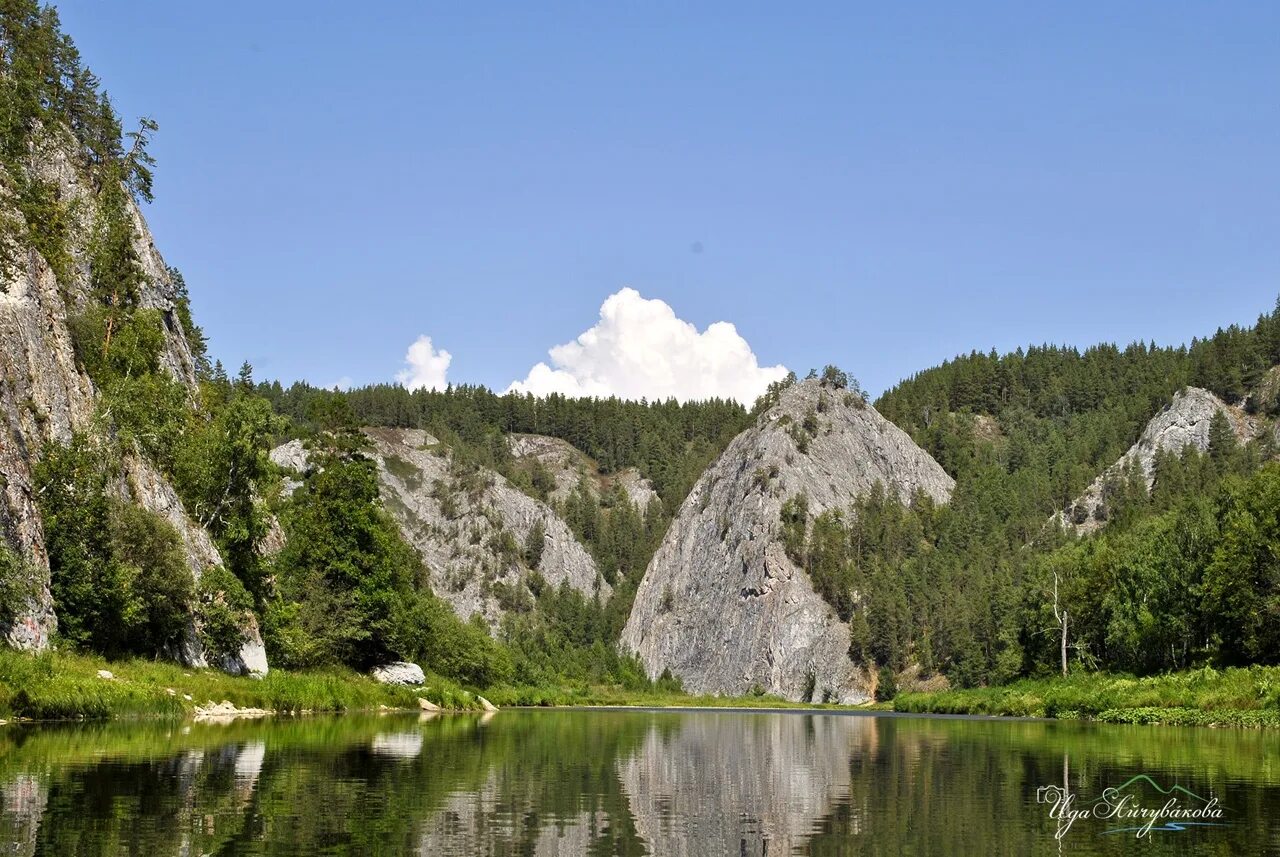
[{"x": 636, "y": 782}]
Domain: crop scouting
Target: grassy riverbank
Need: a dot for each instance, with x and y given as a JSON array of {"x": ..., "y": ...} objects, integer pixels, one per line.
[
  {"x": 65, "y": 686},
  {"x": 60, "y": 686},
  {"x": 1248, "y": 696}
]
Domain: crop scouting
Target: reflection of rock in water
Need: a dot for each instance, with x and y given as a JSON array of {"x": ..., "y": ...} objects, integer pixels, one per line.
[
  {"x": 247, "y": 769},
  {"x": 209, "y": 796},
  {"x": 487, "y": 821},
  {"x": 740, "y": 783},
  {"x": 398, "y": 745},
  {"x": 22, "y": 803}
]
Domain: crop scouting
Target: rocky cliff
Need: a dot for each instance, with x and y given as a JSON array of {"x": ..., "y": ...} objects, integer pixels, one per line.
[
  {"x": 469, "y": 524},
  {"x": 45, "y": 398},
  {"x": 1185, "y": 422},
  {"x": 721, "y": 604}
]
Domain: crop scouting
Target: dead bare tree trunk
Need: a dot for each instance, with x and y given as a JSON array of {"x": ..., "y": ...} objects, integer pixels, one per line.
[{"x": 1060, "y": 614}]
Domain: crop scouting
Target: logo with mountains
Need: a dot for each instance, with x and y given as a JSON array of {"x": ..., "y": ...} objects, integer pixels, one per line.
[{"x": 1139, "y": 806}]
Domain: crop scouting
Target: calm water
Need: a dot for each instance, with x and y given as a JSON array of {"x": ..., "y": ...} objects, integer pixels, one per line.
[{"x": 602, "y": 782}]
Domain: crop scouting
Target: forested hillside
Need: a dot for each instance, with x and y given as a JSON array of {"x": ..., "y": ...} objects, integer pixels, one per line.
[{"x": 1176, "y": 579}]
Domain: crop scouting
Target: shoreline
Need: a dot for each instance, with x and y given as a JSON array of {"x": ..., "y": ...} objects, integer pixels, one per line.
[{"x": 67, "y": 687}]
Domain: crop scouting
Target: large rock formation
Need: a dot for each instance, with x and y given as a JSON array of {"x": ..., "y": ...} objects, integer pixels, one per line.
[
  {"x": 471, "y": 527},
  {"x": 721, "y": 604},
  {"x": 469, "y": 524},
  {"x": 45, "y": 398},
  {"x": 1185, "y": 422}
]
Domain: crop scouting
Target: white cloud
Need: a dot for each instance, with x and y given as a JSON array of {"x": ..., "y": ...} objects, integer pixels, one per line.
[
  {"x": 639, "y": 348},
  {"x": 343, "y": 383},
  {"x": 424, "y": 366}
]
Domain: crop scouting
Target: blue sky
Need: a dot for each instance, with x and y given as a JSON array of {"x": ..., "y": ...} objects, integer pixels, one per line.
[{"x": 875, "y": 185}]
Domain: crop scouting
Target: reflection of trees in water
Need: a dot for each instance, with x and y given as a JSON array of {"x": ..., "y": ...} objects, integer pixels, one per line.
[{"x": 178, "y": 804}]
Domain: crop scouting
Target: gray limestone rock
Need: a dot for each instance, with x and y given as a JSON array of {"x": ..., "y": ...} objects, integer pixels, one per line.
[
  {"x": 1185, "y": 422},
  {"x": 721, "y": 604}
]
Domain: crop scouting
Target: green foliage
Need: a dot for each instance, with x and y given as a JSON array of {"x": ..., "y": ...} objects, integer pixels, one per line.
[
  {"x": 795, "y": 523},
  {"x": 534, "y": 543},
  {"x": 886, "y": 685},
  {"x": 186, "y": 320},
  {"x": 153, "y": 570},
  {"x": 1242, "y": 578},
  {"x": 46, "y": 223},
  {"x": 343, "y": 572},
  {"x": 671, "y": 443},
  {"x": 224, "y": 609},
  {"x": 430, "y": 633},
  {"x": 1208, "y": 697},
  {"x": 17, "y": 583},
  {"x": 118, "y": 573},
  {"x": 221, "y": 470}
]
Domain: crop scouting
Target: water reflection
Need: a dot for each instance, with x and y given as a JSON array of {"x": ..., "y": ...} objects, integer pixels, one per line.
[
  {"x": 569, "y": 782},
  {"x": 741, "y": 783}
]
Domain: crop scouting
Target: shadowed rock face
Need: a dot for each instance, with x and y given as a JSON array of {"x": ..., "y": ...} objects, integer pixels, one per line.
[
  {"x": 44, "y": 398},
  {"x": 465, "y": 526},
  {"x": 721, "y": 605},
  {"x": 1185, "y": 422},
  {"x": 741, "y": 784}
]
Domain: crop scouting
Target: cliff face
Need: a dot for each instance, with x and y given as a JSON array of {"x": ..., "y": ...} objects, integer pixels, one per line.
[
  {"x": 469, "y": 524},
  {"x": 1185, "y": 422},
  {"x": 472, "y": 528},
  {"x": 44, "y": 399},
  {"x": 721, "y": 604}
]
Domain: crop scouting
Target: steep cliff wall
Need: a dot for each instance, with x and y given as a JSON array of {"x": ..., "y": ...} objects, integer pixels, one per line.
[
  {"x": 721, "y": 604},
  {"x": 45, "y": 398}
]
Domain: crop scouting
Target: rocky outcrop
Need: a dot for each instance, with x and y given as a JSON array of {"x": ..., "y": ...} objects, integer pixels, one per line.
[
  {"x": 569, "y": 467},
  {"x": 472, "y": 527},
  {"x": 1184, "y": 423},
  {"x": 721, "y": 604},
  {"x": 142, "y": 484},
  {"x": 45, "y": 398}
]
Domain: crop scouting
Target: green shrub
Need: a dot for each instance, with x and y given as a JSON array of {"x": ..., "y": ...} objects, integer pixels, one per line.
[
  {"x": 153, "y": 570},
  {"x": 223, "y": 610}
]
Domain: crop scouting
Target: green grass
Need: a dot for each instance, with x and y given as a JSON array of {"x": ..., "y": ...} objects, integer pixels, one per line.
[
  {"x": 66, "y": 686},
  {"x": 61, "y": 686},
  {"x": 1248, "y": 696}
]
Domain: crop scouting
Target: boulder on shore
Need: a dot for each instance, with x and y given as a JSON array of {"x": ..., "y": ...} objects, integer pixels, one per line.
[{"x": 400, "y": 672}]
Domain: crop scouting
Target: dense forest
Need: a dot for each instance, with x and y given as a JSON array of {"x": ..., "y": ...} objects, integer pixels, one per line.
[{"x": 1174, "y": 580}]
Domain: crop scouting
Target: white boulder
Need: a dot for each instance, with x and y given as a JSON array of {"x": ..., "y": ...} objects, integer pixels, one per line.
[{"x": 400, "y": 672}]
